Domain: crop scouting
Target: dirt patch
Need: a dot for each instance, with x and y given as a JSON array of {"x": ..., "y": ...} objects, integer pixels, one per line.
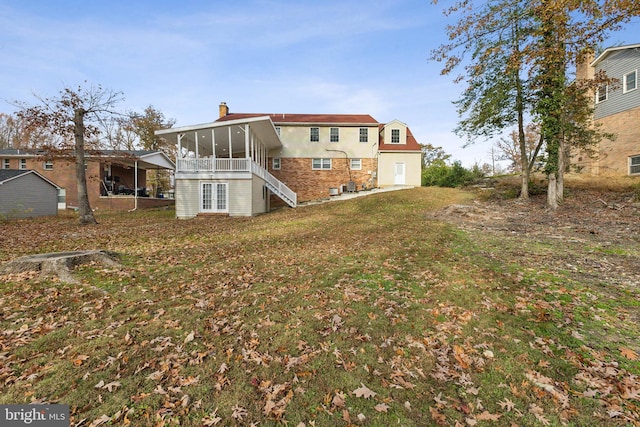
[{"x": 598, "y": 230}]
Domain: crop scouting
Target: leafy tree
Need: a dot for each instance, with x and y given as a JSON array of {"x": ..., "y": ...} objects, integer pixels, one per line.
[
  {"x": 497, "y": 95},
  {"x": 144, "y": 126},
  {"x": 441, "y": 174},
  {"x": 544, "y": 39},
  {"x": 432, "y": 154},
  {"x": 14, "y": 134},
  {"x": 75, "y": 116}
]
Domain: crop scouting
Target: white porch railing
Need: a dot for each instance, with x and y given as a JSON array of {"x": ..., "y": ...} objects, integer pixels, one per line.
[
  {"x": 238, "y": 165},
  {"x": 275, "y": 185},
  {"x": 213, "y": 165}
]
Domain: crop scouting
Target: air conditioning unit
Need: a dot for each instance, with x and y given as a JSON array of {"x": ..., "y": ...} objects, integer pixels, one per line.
[{"x": 351, "y": 186}]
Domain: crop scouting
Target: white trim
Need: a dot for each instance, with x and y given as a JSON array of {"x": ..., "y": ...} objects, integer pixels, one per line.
[
  {"x": 323, "y": 161},
  {"x": 357, "y": 167},
  {"x": 273, "y": 163},
  {"x": 214, "y": 200},
  {"x": 624, "y": 81}
]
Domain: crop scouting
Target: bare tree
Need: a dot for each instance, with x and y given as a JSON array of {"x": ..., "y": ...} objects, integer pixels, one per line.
[{"x": 74, "y": 115}]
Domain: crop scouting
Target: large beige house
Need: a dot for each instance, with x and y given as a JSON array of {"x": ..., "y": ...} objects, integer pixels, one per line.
[
  {"x": 235, "y": 164},
  {"x": 617, "y": 110}
]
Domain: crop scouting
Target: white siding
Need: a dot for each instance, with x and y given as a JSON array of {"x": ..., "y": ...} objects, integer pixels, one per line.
[
  {"x": 260, "y": 197},
  {"x": 187, "y": 194},
  {"x": 240, "y": 197}
]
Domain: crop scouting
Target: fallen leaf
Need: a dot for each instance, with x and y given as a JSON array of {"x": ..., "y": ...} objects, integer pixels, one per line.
[
  {"x": 486, "y": 416},
  {"x": 364, "y": 391},
  {"x": 381, "y": 407},
  {"x": 628, "y": 353},
  {"x": 190, "y": 337}
]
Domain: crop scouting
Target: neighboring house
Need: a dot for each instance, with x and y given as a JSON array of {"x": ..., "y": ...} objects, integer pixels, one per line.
[
  {"x": 115, "y": 179},
  {"x": 233, "y": 165},
  {"x": 617, "y": 110},
  {"x": 26, "y": 194}
]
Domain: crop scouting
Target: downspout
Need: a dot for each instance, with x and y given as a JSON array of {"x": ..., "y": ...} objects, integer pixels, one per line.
[{"x": 135, "y": 190}]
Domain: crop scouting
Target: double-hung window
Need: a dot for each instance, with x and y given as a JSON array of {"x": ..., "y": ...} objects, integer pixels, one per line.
[
  {"x": 213, "y": 197},
  {"x": 321, "y": 164},
  {"x": 634, "y": 165},
  {"x": 275, "y": 164},
  {"x": 23, "y": 164},
  {"x": 602, "y": 93},
  {"x": 364, "y": 135},
  {"x": 356, "y": 164},
  {"x": 6, "y": 164},
  {"x": 630, "y": 81},
  {"x": 47, "y": 165},
  {"x": 395, "y": 136},
  {"x": 314, "y": 134},
  {"x": 334, "y": 135}
]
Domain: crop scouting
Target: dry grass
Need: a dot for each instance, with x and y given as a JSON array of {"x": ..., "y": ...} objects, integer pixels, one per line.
[{"x": 358, "y": 312}]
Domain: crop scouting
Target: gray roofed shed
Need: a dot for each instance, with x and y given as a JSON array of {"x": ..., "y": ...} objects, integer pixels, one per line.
[{"x": 26, "y": 194}]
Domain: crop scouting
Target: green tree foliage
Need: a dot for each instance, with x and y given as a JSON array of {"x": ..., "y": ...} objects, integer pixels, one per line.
[
  {"x": 441, "y": 174},
  {"x": 521, "y": 52}
]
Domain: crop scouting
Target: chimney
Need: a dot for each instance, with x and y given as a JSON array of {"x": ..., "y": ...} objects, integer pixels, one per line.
[
  {"x": 584, "y": 70},
  {"x": 224, "y": 109}
]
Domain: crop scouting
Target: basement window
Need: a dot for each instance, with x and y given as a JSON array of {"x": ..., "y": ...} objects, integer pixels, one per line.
[
  {"x": 634, "y": 165},
  {"x": 321, "y": 164}
]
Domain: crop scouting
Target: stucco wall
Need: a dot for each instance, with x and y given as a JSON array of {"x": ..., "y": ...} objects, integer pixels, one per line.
[
  {"x": 388, "y": 161},
  {"x": 295, "y": 142}
]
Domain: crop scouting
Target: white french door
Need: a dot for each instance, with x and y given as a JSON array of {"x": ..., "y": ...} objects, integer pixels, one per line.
[{"x": 214, "y": 197}]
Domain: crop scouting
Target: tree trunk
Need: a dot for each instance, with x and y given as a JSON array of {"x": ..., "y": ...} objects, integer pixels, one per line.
[
  {"x": 84, "y": 209},
  {"x": 552, "y": 192}
]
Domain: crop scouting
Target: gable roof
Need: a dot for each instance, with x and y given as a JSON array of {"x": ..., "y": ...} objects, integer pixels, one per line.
[
  {"x": 343, "y": 119},
  {"x": 7, "y": 175},
  {"x": 610, "y": 50}
]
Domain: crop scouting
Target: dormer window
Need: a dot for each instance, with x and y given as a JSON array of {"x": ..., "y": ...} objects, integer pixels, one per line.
[{"x": 395, "y": 136}]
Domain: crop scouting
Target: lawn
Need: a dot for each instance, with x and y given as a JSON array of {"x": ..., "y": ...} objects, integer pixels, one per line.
[{"x": 361, "y": 312}]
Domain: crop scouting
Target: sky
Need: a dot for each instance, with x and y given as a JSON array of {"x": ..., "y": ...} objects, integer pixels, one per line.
[{"x": 259, "y": 56}]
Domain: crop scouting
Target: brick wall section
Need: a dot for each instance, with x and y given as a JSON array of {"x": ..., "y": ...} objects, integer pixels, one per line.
[
  {"x": 64, "y": 176},
  {"x": 310, "y": 184},
  {"x": 613, "y": 157}
]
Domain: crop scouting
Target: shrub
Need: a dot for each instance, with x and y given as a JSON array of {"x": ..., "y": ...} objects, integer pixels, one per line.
[{"x": 441, "y": 174}]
